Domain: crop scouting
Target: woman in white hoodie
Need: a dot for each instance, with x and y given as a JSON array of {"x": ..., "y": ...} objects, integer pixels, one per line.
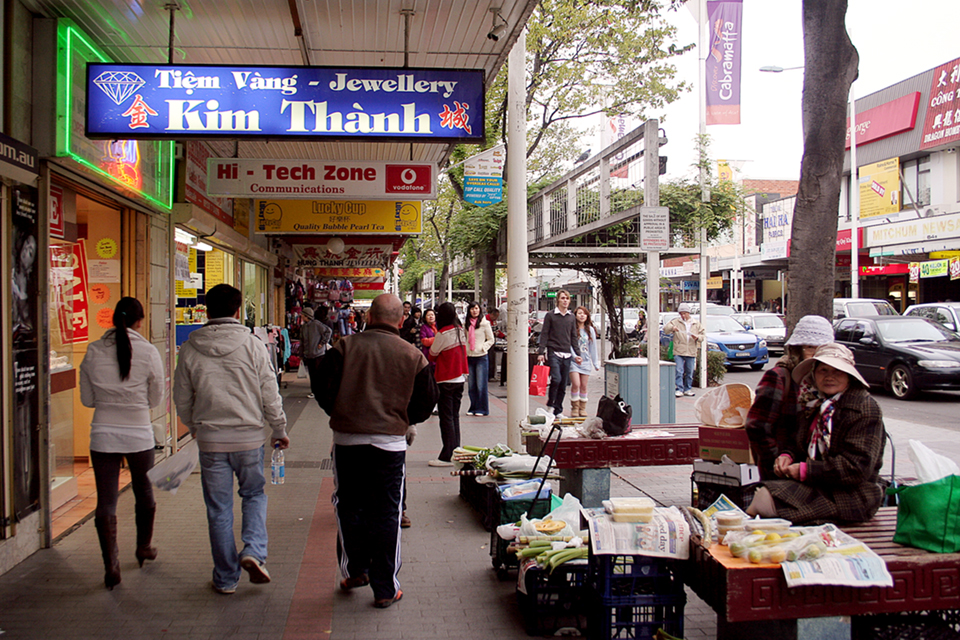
[{"x": 121, "y": 378}]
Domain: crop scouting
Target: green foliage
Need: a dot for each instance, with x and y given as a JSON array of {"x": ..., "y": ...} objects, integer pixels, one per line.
[{"x": 715, "y": 368}]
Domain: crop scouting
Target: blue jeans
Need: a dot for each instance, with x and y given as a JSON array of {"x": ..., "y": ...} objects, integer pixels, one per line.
[
  {"x": 559, "y": 377},
  {"x": 477, "y": 385},
  {"x": 685, "y": 368},
  {"x": 216, "y": 475}
]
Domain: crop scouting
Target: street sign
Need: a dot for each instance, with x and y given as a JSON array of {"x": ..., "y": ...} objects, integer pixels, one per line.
[{"x": 654, "y": 228}]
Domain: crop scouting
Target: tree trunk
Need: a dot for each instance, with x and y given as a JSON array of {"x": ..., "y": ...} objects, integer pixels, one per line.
[
  {"x": 488, "y": 279},
  {"x": 830, "y": 67}
]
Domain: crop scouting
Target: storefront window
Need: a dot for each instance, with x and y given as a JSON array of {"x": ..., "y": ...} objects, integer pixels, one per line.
[
  {"x": 254, "y": 294},
  {"x": 197, "y": 272}
]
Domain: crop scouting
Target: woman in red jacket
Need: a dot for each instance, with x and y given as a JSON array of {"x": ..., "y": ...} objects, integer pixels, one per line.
[{"x": 449, "y": 353}]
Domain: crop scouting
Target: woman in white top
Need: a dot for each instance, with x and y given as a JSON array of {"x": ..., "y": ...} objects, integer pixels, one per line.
[
  {"x": 121, "y": 378},
  {"x": 580, "y": 373},
  {"x": 479, "y": 340}
]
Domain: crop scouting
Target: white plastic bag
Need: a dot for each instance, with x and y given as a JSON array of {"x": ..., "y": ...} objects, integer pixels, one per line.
[
  {"x": 725, "y": 406},
  {"x": 568, "y": 511},
  {"x": 301, "y": 371},
  {"x": 172, "y": 472},
  {"x": 930, "y": 466}
]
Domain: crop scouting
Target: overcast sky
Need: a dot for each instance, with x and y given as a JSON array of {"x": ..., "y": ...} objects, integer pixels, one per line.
[{"x": 895, "y": 39}]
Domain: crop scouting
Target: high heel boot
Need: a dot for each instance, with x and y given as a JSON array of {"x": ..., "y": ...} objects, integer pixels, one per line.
[
  {"x": 145, "y": 517},
  {"x": 107, "y": 532}
]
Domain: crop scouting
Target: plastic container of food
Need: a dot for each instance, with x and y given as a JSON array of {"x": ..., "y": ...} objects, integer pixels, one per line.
[
  {"x": 728, "y": 519},
  {"x": 767, "y": 524}
]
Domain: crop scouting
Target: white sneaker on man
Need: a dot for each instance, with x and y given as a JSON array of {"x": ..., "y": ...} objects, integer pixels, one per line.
[
  {"x": 679, "y": 394},
  {"x": 440, "y": 463},
  {"x": 689, "y": 393}
]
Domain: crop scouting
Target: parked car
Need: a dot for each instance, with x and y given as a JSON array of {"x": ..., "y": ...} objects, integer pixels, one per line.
[
  {"x": 726, "y": 335},
  {"x": 769, "y": 326},
  {"x": 861, "y": 308},
  {"x": 905, "y": 354},
  {"x": 946, "y": 313},
  {"x": 631, "y": 320},
  {"x": 713, "y": 309}
]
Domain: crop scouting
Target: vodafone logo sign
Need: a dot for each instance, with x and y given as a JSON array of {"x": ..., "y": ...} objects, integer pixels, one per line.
[{"x": 408, "y": 179}]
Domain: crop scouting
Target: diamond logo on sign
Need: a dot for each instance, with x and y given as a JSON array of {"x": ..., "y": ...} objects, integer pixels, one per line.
[{"x": 119, "y": 85}]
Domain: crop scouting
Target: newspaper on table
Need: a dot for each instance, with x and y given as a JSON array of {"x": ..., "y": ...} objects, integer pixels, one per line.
[
  {"x": 667, "y": 535},
  {"x": 848, "y": 562}
]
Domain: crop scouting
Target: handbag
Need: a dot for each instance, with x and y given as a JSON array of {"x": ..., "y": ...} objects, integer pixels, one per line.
[
  {"x": 616, "y": 415},
  {"x": 929, "y": 515},
  {"x": 172, "y": 472},
  {"x": 539, "y": 379}
]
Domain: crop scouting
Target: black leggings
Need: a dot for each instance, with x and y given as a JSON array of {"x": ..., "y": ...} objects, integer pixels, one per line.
[{"x": 106, "y": 471}]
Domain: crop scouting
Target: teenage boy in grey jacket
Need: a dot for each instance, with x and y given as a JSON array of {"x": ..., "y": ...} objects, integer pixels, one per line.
[{"x": 226, "y": 391}]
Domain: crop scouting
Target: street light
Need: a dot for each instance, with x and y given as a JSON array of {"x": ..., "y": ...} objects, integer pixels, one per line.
[{"x": 854, "y": 189}]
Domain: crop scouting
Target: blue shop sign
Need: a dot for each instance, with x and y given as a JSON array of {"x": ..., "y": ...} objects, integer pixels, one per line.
[
  {"x": 690, "y": 285},
  {"x": 138, "y": 101}
]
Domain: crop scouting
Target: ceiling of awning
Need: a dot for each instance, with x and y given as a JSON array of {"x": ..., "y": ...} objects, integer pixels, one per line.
[{"x": 449, "y": 34}]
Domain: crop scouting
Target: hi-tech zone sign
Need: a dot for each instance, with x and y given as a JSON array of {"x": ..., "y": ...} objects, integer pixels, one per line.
[{"x": 170, "y": 101}]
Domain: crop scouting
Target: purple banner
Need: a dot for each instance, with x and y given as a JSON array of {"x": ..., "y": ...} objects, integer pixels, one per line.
[{"x": 723, "y": 61}]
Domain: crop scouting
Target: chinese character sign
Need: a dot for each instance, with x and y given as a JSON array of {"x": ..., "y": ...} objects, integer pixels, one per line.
[
  {"x": 942, "y": 124},
  {"x": 723, "y": 61}
]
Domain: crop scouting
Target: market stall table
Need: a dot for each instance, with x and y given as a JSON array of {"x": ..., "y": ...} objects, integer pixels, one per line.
[
  {"x": 753, "y": 601},
  {"x": 585, "y": 463}
]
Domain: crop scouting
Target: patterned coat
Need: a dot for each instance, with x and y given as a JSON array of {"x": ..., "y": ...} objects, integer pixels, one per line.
[
  {"x": 844, "y": 485},
  {"x": 772, "y": 420}
]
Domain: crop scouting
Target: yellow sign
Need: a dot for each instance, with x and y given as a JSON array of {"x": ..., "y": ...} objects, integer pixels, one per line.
[
  {"x": 182, "y": 290},
  {"x": 724, "y": 172},
  {"x": 715, "y": 282},
  {"x": 326, "y": 217},
  {"x": 944, "y": 255},
  {"x": 934, "y": 268},
  {"x": 880, "y": 188},
  {"x": 214, "y": 269}
]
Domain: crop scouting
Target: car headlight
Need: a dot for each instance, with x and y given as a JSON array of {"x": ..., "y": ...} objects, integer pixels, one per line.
[
  {"x": 938, "y": 364},
  {"x": 763, "y": 344},
  {"x": 713, "y": 346}
]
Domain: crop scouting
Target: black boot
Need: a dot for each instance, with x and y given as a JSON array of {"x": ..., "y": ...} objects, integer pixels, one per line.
[
  {"x": 107, "y": 531},
  {"x": 145, "y": 517}
]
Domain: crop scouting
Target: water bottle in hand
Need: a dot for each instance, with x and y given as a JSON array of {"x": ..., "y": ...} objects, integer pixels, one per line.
[{"x": 276, "y": 465}]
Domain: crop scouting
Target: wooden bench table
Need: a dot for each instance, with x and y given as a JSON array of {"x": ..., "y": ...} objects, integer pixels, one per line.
[
  {"x": 585, "y": 463},
  {"x": 753, "y": 601}
]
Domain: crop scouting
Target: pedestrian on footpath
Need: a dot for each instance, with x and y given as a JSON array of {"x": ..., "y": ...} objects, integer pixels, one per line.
[
  {"x": 389, "y": 379},
  {"x": 121, "y": 378},
  {"x": 479, "y": 340},
  {"x": 315, "y": 335},
  {"x": 560, "y": 342},
  {"x": 772, "y": 421},
  {"x": 580, "y": 372},
  {"x": 449, "y": 353},
  {"x": 226, "y": 391},
  {"x": 687, "y": 336}
]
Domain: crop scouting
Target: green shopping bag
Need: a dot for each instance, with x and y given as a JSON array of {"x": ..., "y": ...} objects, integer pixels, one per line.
[
  {"x": 670, "y": 351},
  {"x": 929, "y": 515}
]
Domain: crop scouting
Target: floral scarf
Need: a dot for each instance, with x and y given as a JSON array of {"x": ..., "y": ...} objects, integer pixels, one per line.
[{"x": 822, "y": 427}]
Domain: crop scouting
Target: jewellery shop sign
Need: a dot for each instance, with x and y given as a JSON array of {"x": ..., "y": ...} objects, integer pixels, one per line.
[{"x": 139, "y": 101}]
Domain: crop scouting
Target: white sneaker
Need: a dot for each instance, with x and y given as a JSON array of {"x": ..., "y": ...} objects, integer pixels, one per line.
[
  {"x": 440, "y": 463},
  {"x": 679, "y": 394},
  {"x": 689, "y": 393},
  {"x": 310, "y": 395}
]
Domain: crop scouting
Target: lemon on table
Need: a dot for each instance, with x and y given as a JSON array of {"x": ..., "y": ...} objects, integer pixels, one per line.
[
  {"x": 772, "y": 537},
  {"x": 758, "y": 532}
]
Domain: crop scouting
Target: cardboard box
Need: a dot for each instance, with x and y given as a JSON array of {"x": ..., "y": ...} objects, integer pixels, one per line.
[
  {"x": 742, "y": 473},
  {"x": 716, "y": 442}
]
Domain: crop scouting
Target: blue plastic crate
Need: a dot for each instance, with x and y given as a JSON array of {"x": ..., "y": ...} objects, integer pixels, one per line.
[
  {"x": 636, "y": 616},
  {"x": 554, "y": 600},
  {"x": 618, "y": 576}
]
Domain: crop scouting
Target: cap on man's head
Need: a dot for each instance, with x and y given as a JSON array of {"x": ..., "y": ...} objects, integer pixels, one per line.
[
  {"x": 308, "y": 312},
  {"x": 684, "y": 308}
]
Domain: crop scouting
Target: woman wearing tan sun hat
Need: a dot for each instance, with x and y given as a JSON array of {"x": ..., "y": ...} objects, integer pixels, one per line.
[{"x": 831, "y": 472}]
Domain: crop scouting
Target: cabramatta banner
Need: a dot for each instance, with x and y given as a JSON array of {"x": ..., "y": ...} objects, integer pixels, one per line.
[
  {"x": 483, "y": 177},
  {"x": 723, "y": 61},
  {"x": 352, "y": 217},
  {"x": 312, "y": 179},
  {"x": 139, "y": 101}
]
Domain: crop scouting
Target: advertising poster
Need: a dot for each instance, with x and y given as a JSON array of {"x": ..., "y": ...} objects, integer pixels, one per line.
[
  {"x": 880, "y": 188},
  {"x": 26, "y": 324},
  {"x": 483, "y": 177},
  {"x": 955, "y": 268},
  {"x": 354, "y": 217},
  {"x": 68, "y": 283},
  {"x": 914, "y": 272},
  {"x": 941, "y": 125},
  {"x": 723, "y": 61}
]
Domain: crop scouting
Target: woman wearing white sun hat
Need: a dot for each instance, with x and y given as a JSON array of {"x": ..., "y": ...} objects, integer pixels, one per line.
[{"x": 772, "y": 421}]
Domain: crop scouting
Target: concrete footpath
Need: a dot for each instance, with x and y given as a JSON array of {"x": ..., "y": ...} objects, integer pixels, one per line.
[{"x": 450, "y": 589}]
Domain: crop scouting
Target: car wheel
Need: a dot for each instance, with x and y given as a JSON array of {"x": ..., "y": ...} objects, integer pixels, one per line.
[
  {"x": 901, "y": 383},
  {"x": 758, "y": 366}
]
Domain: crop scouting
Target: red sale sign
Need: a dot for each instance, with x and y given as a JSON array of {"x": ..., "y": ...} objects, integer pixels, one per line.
[{"x": 68, "y": 280}]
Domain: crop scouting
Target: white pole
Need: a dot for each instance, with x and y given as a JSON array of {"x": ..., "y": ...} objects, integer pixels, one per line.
[
  {"x": 704, "y": 189},
  {"x": 854, "y": 203},
  {"x": 517, "y": 260},
  {"x": 651, "y": 198}
]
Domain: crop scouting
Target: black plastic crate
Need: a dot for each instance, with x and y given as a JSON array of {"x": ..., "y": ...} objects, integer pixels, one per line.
[
  {"x": 636, "y": 616},
  {"x": 554, "y": 600},
  {"x": 510, "y": 511},
  {"x": 926, "y": 625},
  {"x": 627, "y": 576},
  {"x": 705, "y": 488}
]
